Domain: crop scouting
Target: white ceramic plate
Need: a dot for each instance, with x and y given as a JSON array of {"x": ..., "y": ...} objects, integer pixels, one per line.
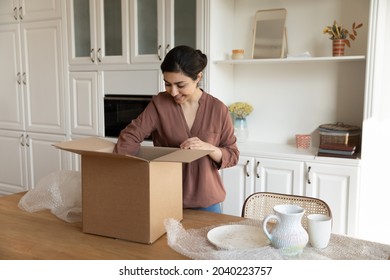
[{"x": 237, "y": 237}]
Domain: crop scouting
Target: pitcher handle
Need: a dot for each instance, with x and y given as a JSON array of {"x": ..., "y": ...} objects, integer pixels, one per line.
[{"x": 265, "y": 222}]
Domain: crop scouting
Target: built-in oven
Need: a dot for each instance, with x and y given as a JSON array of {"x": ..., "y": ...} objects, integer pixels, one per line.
[{"x": 120, "y": 110}]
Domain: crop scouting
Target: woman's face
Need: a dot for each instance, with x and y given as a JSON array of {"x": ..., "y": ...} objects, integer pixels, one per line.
[{"x": 181, "y": 87}]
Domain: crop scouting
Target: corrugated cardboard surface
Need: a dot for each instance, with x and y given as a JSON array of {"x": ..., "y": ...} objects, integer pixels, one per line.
[
  {"x": 129, "y": 197},
  {"x": 130, "y": 200}
]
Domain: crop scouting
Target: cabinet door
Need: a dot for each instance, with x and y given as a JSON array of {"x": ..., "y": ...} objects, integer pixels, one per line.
[
  {"x": 43, "y": 158},
  {"x": 337, "y": 186},
  {"x": 238, "y": 182},
  {"x": 183, "y": 23},
  {"x": 98, "y": 31},
  {"x": 11, "y": 98},
  {"x": 39, "y": 10},
  {"x": 9, "y": 10},
  {"x": 146, "y": 30},
  {"x": 280, "y": 176},
  {"x": 83, "y": 103},
  {"x": 13, "y": 165},
  {"x": 113, "y": 28},
  {"x": 25, "y": 10},
  {"x": 42, "y": 76},
  {"x": 159, "y": 25},
  {"x": 82, "y": 31}
]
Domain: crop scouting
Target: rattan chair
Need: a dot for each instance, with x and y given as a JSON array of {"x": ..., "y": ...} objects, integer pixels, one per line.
[{"x": 260, "y": 204}]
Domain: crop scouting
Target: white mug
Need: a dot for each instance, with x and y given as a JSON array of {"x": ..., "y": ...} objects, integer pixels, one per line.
[{"x": 319, "y": 228}]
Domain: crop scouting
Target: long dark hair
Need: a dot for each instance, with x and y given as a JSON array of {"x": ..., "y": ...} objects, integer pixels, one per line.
[{"x": 186, "y": 60}]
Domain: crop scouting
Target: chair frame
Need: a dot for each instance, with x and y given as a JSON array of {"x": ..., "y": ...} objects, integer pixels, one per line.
[{"x": 260, "y": 204}]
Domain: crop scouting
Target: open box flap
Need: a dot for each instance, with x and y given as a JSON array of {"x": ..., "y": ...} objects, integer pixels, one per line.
[
  {"x": 102, "y": 147},
  {"x": 89, "y": 144}
]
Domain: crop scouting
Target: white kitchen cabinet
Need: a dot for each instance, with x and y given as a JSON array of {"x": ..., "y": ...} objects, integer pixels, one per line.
[
  {"x": 334, "y": 182},
  {"x": 43, "y": 158},
  {"x": 33, "y": 91},
  {"x": 255, "y": 174},
  {"x": 159, "y": 25},
  {"x": 13, "y": 163},
  {"x": 280, "y": 176},
  {"x": 27, "y": 10},
  {"x": 338, "y": 186},
  {"x": 238, "y": 182},
  {"x": 12, "y": 101},
  {"x": 27, "y": 158},
  {"x": 42, "y": 76},
  {"x": 98, "y": 32},
  {"x": 32, "y": 107},
  {"x": 84, "y": 103}
]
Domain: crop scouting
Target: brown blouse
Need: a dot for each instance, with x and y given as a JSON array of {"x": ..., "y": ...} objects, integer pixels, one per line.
[{"x": 164, "y": 119}]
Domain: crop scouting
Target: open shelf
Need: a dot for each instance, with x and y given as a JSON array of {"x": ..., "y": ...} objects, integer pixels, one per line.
[{"x": 293, "y": 60}]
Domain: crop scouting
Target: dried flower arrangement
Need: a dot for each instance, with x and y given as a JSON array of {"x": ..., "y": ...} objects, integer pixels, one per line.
[
  {"x": 240, "y": 109},
  {"x": 337, "y": 31}
]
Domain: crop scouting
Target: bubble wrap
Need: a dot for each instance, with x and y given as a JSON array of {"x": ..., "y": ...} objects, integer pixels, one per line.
[
  {"x": 60, "y": 192},
  {"x": 193, "y": 243}
]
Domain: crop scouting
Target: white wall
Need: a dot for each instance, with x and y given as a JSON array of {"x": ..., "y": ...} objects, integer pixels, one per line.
[{"x": 298, "y": 97}]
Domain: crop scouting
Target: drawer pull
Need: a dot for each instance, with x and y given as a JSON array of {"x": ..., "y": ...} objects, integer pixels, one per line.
[
  {"x": 91, "y": 55},
  {"x": 246, "y": 168},
  {"x": 99, "y": 55},
  {"x": 159, "y": 52}
]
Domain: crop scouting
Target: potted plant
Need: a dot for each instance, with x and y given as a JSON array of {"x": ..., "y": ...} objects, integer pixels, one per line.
[{"x": 340, "y": 36}]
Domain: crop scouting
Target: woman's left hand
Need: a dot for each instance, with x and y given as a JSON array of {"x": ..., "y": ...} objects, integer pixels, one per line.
[{"x": 196, "y": 143}]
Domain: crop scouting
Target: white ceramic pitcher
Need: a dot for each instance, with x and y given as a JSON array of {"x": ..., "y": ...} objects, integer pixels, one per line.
[{"x": 288, "y": 233}]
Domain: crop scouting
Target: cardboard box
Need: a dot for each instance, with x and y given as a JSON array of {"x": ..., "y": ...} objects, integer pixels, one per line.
[{"x": 129, "y": 197}]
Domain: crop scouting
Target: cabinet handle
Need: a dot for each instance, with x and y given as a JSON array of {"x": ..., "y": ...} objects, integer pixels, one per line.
[
  {"x": 167, "y": 48},
  {"x": 308, "y": 175},
  {"x": 246, "y": 168},
  {"x": 18, "y": 78},
  {"x": 16, "y": 13},
  {"x": 99, "y": 55},
  {"x": 257, "y": 169},
  {"x": 21, "y": 12},
  {"x": 24, "y": 78},
  {"x": 27, "y": 141},
  {"x": 22, "y": 140},
  {"x": 92, "y": 56},
  {"x": 159, "y": 52}
]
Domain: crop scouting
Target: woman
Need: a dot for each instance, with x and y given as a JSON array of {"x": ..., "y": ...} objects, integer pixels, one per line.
[{"x": 187, "y": 117}]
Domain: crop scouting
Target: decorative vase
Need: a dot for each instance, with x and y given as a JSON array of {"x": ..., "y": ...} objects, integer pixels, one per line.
[
  {"x": 338, "y": 46},
  {"x": 241, "y": 129},
  {"x": 288, "y": 235}
]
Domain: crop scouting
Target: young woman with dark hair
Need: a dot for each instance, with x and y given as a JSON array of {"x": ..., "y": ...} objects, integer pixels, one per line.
[{"x": 187, "y": 117}]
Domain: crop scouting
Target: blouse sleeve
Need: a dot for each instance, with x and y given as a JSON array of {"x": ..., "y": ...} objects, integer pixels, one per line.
[
  {"x": 133, "y": 134},
  {"x": 228, "y": 145}
]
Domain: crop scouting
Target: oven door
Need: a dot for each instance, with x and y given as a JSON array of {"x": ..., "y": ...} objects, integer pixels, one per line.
[{"x": 120, "y": 110}]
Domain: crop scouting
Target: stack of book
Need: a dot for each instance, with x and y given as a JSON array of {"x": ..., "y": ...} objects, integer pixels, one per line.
[{"x": 337, "y": 150}]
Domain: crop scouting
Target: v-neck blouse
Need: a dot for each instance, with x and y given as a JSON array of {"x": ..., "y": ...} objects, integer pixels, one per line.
[{"x": 164, "y": 119}]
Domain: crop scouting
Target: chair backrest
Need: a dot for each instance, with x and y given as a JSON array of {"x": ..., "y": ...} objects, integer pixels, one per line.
[{"x": 260, "y": 204}]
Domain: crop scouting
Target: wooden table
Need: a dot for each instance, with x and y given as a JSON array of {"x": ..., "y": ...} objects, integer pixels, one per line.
[{"x": 41, "y": 235}]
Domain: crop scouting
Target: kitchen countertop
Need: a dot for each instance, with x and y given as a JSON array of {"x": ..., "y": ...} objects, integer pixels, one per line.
[{"x": 289, "y": 152}]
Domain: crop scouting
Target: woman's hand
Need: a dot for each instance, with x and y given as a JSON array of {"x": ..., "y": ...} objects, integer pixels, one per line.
[{"x": 196, "y": 143}]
